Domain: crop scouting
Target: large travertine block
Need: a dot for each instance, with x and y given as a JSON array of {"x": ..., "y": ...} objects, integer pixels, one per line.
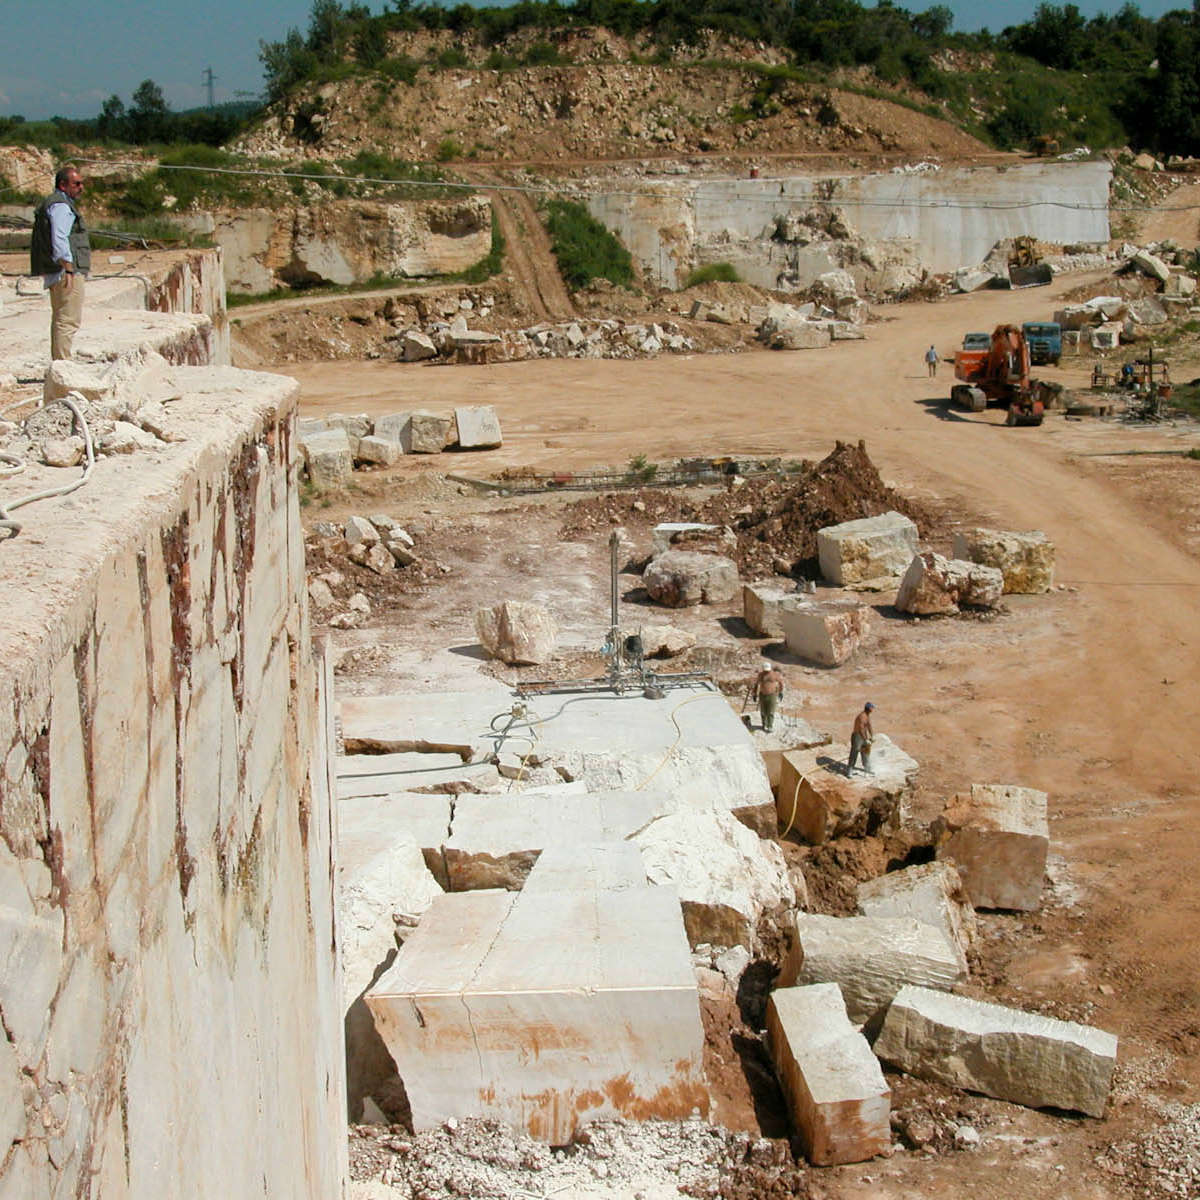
[
  {"x": 729, "y": 879},
  {"x": 546, "y": 1010},
  {"x": 871, "y": 548},
  {"x": 1026, "y": 560},
  {"x": 998, "y": 837},
  {"x": 819, "y": 801},
  {"x": 837, "y": 1097},
  {"x": 801, "y": 335},
  {"x": 760, "y": 607},
  {"x": 870, "y": 958},
  {"x": 328, "y": 457},
  {"x": 931, "y": 892},
  {"x": 933, "y": 584},
  {"x": 685, "y": 577},
  {"x": 517, "y": 631},
  {"x": 478, "y": 427},
  {"x": 826, "y": 632},
  {"x": 424, "y": 433},
  {"x": 1003, "y": 1052}
]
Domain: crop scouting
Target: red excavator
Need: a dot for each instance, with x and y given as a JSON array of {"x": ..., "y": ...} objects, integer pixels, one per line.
[{"x": 1000, "y": 375}]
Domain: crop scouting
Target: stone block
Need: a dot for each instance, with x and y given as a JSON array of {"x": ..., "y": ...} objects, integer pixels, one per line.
[
  {"x": 517, "y": 631},
  {"x": 1106, "y": 337},
  {"x": 729, "y": 880},
  {"x": 1002, "y": 1052},
  {"x": 1146, "y": 311},
  {"x": 825, "y": 632},
  {"x": 1180, "y": 285},
  {"x": 972, "y": 280},
  {"x": 377, "y": 450},
  {"x": 425, "y": 433},
  {"x": 393, "y": 427},
  {"x": 545, "y": 1010},
  {"x": 1152, "y": 265},
  {"x": 360, "y": 531},
  {"x": 665, "y": 641},
  {"x": 594, "y": 865},
  {"x": 680, "y": 578},
  {"x": 931, "y": 892},
  {"x": 416, "y": 346},
  {"x": 868, "y": 549},
  {"x": 478, "y": 427},
  {"x": 356, "y": 425},
  {"x": 870, "y": 958},
  {"x": 818, "y": 801},
  {"x": 801, "y": 335},
  {"x": 998, "y": 837},
  {"x": 837, "y": 1098},
  {"x": 933, "y": 584},
  {"x": 366, "y": 822},
  {"x": 760, "y": 607},
  {"x": 664, "y": 535},
  {"x": 327, "y": 458},
  {"x": 1025, "y": 560}
]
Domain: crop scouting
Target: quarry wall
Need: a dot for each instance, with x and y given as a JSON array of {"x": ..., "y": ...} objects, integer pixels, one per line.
[
  {"x": 937, "y": 219},
  {"x": 170, "y": 991}
]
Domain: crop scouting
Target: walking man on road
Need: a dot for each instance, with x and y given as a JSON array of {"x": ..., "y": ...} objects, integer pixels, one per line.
[
  {"x": 61, "y": 254},
  {"x": 931, "y": 361},
  {"x": 861, "y": 739},
  {"x": 767, "y": 689}
]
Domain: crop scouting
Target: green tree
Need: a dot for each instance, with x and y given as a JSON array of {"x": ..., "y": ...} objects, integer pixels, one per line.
[
  {"x": 112, "y": 121},
  {"x": 149, "y": 118}
]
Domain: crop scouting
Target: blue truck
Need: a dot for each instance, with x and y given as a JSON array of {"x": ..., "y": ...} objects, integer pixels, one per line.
[{"x": 1045, "y": 341}]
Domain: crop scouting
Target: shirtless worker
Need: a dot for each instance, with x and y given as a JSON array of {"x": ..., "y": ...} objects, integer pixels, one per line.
[
  {"x": 861, "y": 739},
  {"x": 767, "y": 689}
]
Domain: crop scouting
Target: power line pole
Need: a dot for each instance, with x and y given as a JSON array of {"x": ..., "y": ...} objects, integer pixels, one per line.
[{"x": 208, "y": 79}]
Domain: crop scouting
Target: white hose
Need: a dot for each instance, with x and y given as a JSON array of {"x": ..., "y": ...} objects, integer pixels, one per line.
[{"x": 11, "y": 527}]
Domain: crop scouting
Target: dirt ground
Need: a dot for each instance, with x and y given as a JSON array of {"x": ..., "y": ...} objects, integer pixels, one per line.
[{"x": 1088, "y": 693}]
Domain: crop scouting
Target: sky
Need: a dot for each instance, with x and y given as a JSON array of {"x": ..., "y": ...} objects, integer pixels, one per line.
[{"x": 65, "y": 57}]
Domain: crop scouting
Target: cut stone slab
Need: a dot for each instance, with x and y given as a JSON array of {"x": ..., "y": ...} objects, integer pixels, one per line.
[
  {"x": 999, "y": 838},
  {"x": 825, "y": 632},
  {"x": 730, "y": 881},
  {"x": 1002, "y": 1052},
  {"x": 1152, "y": 265},
  {"x": 328, "y": 458},
  {"x": 381, "y": 774},
  {"x": 864, "y": 550},
  {"x": 680, "y": 578},
  {"x": 838, "y": 1100},
  {"x": 546, "y": 1010},
  {"x": 933, "y": 584},
  {"x": 378, "y": 451},
  {"x": 478, "y": 427},
  {"x": 425, "y": 433},
  {"x": 393, "y": 427},
  {"x": 495, "y": 840},
  {"x": 571, "y": 866},
  {"x": 761, "y": 607},
  {"x": 517, "y": 631},
  {"x": 931, "y": 892},
  {"x": 367, "y": 822},
  {"x": 818, "y": 801},
  {"x": 870, "y": 958},
  {"x": 1024, "y": 559}
]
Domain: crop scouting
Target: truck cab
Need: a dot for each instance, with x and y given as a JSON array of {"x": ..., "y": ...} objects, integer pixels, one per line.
[
  {"x": 1045, "y": 341},
  {"x": 977, "y": 341}
]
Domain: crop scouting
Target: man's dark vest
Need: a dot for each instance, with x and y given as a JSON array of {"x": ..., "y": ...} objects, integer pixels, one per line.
[{"x": 41, "y": 256}]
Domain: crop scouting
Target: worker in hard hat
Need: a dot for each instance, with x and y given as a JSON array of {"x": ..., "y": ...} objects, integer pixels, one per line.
[
  {"x": 861, "y": 738},
  {"x": 767, "y": 689}
]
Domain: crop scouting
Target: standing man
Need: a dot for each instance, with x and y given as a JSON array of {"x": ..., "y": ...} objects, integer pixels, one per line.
[
  {"x": 767, "y": 689},
  {"x": 931, "y": 361},
  {"x": 62, "y": 254},
  {"x": 861, "y": 739}
]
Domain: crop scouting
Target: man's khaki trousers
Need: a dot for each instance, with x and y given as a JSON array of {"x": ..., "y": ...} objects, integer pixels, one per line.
[{"x": 66, "y": 312}]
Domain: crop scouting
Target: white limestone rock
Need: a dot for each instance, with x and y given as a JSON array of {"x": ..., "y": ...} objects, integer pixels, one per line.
[
  {"x": 1152, "y": 265},
  {"x": 393, "y": 427},
  {"x": 327, "y": 458},
  {"x": 416, "y": 346},
  {"x": 1024, "y": 559},
  {"x": 1145, "y": 311},
  {"x": 868, "y": 549},
  {"x": 478, "y": 427},
  {"x": 1002, "y": 1052},
  {"x": 818, "y": 801},
  {"x": 933, "y": 584},
  {"x": 360, "y": 530},
  {"x": 426, "y": 433},
  {"x": 825, "y": 632},
  {"x": 378, "y": 451},
  {"x": 680, "y": 578},
  {"x": 999, "y": 838},
  {"x": 517, "y": 631},
  {"x": 930, "y": 892},
  {"x": 665, "y": 641},
  {"x": 761, "y": 607},
  {"x": 838, "y": 1100},
  {"x": 730, "y": 881},
  {"x": 127, "y": 438},
  {"x": 870, "y": 958},
  {"x": 63, "y": 452},
  {"x": 801, "y": 335}
]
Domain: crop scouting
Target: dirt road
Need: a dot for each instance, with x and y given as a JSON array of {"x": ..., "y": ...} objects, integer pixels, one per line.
[{"x": 1089, "y": 693}]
